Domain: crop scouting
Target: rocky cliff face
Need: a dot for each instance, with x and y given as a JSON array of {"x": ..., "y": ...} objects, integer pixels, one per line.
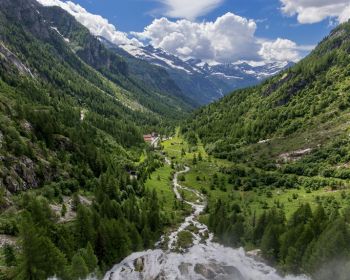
[
  {"x": 19, "y": 174},
  {"x": 87, "y": 47}
]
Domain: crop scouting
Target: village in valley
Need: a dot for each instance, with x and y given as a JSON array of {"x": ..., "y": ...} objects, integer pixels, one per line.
[{"x": 153, "y": 139}]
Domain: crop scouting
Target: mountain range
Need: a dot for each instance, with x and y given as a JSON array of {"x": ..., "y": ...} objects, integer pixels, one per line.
[
  {"x": 198, "y": 82},
  {"x": 203, "y": 82},
  {"x": 80, "y": 189}
]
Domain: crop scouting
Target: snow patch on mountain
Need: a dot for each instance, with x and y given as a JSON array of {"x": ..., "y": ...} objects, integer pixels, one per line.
[
  {"x": 238, "y": 70},
  {"x": 207, "y": 81}
]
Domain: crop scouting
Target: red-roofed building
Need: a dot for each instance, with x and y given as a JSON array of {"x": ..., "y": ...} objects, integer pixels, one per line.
[{"x": 148, "y": 138}]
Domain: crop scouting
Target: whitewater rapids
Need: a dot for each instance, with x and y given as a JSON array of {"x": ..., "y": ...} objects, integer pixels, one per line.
[{"x": 205, "y": 259}]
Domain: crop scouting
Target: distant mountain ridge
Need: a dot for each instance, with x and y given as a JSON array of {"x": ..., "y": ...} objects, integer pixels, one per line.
[
  {"x": 194, "y": 81},
  {"x": 205, "y": 83}
]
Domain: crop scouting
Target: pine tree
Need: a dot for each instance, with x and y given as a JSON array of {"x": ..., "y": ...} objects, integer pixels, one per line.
[
  {"x": 9, "y": 254},
  {"x": 136, "y": 239},
  {"x": 63, "y": 210},
  {"x": 194, "y": 160},
  {"x": 90, "y": 258},
  {"x": 331, "y": 245},
  {"x": 84, "y": 227},
  {"x": 146, "y": 236},
  {"x": 79, "y": 269},
  {"x": 270, "y": 244},
  {"x": 154, "y": 215},
  {"x": 112, "y": 234},
  {"x": 39, "y": 258},
  {"x": 260, "y": 228},
  {"x": 75, "y": 202}
]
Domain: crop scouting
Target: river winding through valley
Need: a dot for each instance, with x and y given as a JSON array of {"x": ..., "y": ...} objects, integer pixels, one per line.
[{"x": 204, "y": 259}]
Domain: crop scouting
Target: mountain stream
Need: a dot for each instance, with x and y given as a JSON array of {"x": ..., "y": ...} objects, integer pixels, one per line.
[{"x": 203, "y": 260}]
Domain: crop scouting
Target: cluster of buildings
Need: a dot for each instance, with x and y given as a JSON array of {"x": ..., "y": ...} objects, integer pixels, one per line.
[{"x": 150, "y": 138}]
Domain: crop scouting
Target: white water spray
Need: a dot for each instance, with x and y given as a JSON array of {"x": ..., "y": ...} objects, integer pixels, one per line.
[{"x": 205, "y": 259}]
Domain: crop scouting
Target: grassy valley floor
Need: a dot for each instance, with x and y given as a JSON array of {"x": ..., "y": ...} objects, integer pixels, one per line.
[{"x": 203, "y": 173}]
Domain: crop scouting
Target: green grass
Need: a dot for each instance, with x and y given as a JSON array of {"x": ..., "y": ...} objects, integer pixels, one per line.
[
  {"x": 184, "y": 239},
  {"x": 188, "y": 195},
  {"x": 204, "y": 169},
  {"x": 289, "y": 200},
  {"x": 161, "y": 181},
  {"x": 200, "y": 178},
  {"x": 315, "y": 136}
]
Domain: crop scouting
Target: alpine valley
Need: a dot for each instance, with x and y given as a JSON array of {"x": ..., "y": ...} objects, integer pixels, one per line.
[
  {"x": 122, "y": 161},
  {"x": 202, "y": 82}
]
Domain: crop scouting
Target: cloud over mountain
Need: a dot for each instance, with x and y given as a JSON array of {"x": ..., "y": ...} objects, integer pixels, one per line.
[
  {"x": 230, "y": 37},
  {"x": 227, "y": 39},
  {"x": 282, "y": 50},
  {"x": 96, "y": 24},
  {"x": 188, "y": 9},
  {"x": 312, "y": 11}
]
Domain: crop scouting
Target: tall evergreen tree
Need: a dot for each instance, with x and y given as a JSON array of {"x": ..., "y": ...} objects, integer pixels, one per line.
[
  {"x": 79, "y": 270},
  {"x": 39, "y": 257}
]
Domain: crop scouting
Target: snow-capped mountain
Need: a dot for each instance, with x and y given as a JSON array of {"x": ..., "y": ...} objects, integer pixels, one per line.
[
  {"x": 205, "y": 82},
  {"x": 195, "y": 82}
]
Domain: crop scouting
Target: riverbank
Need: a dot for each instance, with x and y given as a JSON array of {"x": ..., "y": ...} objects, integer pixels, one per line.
[{"x": 202, "y": 259}]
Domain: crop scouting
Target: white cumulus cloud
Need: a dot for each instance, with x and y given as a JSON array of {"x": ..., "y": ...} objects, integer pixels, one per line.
[
  {"x": 312, "y": 11},
  {"x": 189, "y": 9},
  {"x": 227, "y": 39},
  {"x": 280, "y": 49},
  {"x": 96, "y": 24}
]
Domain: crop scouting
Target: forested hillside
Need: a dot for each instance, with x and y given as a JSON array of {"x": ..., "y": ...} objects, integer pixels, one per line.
[
  {"x": 80, "y": 190},
  {"x": 289, "y": 135},
  {"x": 71, "y": 124},
  {"x": 305, "y": 107}
]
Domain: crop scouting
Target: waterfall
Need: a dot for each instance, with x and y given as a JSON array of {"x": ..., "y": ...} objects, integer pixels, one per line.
[{"x": 205, "y": 259}]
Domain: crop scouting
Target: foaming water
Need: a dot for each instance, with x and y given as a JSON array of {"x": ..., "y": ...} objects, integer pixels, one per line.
[
  {"x": 200, "y": 262},
  {"x": 205, "y": 259}
]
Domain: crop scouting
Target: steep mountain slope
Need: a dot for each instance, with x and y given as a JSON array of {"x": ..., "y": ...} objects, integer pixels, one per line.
[
  {"x": 191, "y": 80},
  {"x": 71, "y": 120},
  {"x": 152, "y": 75},
  {"x": 49, "y": 96},
  {"x": 77, "y": 38},
  {"x": 288, "y": 144},
  {"x": 310, "y": 98}
]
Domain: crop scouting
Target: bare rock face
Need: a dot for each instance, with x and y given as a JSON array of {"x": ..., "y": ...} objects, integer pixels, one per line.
[
  {"x": 139, "y": 264},
  {"x": 1, "y": 138},
  {"x": 205, "y": 271},
  {"x": 161, "y": 276},
  {"x": 26, "y": 169},
  {"x": 20, "y": 174},
  {"x": 5, "y": 201},
  {"x": 184, "y": 268},
  {"x": 11, "y": 59},
  {"x": 12, "y": 184},
  {"x": 62, "y": 143},
  {"x": 26, "y": 126},
  {"x": 218, "y": 272}
]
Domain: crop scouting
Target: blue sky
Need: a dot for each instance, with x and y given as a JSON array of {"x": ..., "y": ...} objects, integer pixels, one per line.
[
  {"x": 134, "y": 15},
  {"x": 214, "y": 31}
]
